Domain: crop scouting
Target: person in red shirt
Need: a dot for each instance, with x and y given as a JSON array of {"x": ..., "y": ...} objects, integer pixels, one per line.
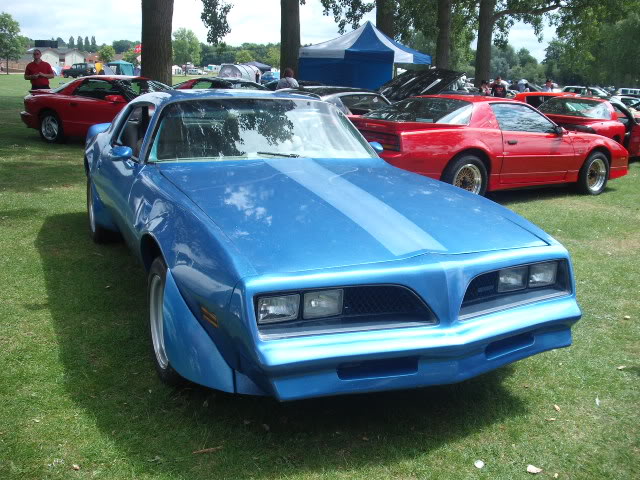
[{"x": 38, "y": 71}]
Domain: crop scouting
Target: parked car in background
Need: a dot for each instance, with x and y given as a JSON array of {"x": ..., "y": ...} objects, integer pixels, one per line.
[
  {"x": 632, "y": 103},
  {"x": 349, "y": 100},
  {"x": 303, "y": 83},
  {"x": 483, "y": 143},
  {"x": 215, "y": 82},
  {"x": 79, "y": 70},
  {"x": 69, "y": 111},
  {"x": 535, "y": 99},
  {"x": 630, "y": 118},
  {"x": 285, "y": 258},
  {"x": 586, "y": 91},
  {"x": 632, "y": 92},
  {"x": 269, "y": 77},
  {"x": 583, "y": 114}
]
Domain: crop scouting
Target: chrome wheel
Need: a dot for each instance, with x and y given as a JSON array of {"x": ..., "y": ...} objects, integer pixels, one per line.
[
  {"x": 468, "y": 177},
  {"x": 156, "y": 294},
  {"x": 50, "y": 128},
  {"x": 92, "y": 218},
  {"x": 596, "y": 175}
]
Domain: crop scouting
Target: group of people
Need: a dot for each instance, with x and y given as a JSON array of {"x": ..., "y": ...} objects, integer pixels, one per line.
[{"x": 499, "y": 88}]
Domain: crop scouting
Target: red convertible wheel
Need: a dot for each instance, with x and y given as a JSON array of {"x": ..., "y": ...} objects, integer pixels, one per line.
[
  {"x": 50, "y": 127},
  {"x": 156, "y": 283},
  {"x": 594, "y": 174},
  {"x": 467, "y": 172}
]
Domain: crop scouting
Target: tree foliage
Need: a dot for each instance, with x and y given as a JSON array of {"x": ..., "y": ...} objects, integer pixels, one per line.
[
  {"x": 71, "y": 43},
  {"x": 79, "y": 43},
  {"x": 94, "y": 45},
  {"x": 131, "y": 56},
  {"x": 214, "y": 17},
  {"x": 121, "y": 46},
  {"x": 244, "y": 56},
  {"x": 106, "y": 53},
  {"x": 11, "y": 43},
  {"x": 186, "y": 47}
]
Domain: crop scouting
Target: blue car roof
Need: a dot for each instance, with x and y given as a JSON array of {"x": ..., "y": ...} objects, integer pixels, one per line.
[{"x": 162, "y": 98}]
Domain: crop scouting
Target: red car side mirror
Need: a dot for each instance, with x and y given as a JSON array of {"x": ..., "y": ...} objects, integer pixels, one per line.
[{"x": 115, "y": 99}]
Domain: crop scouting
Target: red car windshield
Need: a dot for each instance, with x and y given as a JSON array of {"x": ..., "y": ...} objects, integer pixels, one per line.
[
  {"x": 426, "y": 110},
  {"x": 576, "y": 107}
]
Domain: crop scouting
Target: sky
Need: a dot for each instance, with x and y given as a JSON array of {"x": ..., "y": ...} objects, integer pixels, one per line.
[{"x": 250, "y": 21}]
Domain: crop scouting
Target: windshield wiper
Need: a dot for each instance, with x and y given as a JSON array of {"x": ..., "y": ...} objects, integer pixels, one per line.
[{"x": 276, "y": 154}]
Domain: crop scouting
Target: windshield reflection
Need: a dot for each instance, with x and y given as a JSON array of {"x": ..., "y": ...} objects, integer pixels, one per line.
[{"x": 238, "y": 128}]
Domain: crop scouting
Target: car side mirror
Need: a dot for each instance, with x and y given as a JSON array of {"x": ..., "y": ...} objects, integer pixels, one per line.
[
  {"x": 376, "y": 146},
  {"x": 559, "y": 130},
  {"x": 121, "y": 152},
  {"x": 115, "y": 99}
]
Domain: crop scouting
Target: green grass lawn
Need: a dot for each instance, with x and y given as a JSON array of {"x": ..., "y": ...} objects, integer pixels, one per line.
[{"x": 77, "y": 385}]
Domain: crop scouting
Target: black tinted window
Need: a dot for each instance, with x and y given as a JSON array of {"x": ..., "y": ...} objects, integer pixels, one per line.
[
  {"x": 97, "y": 89},
  {"x": 576, "y": 107},
  {"x": 513, "y": 117},
  {"x": 426, "y": 110}
]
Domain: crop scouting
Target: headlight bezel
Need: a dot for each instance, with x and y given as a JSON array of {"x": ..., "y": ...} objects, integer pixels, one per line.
[{"x": 482, "y": 295}]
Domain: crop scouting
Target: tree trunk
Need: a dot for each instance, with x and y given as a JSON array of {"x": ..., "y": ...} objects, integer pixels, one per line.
[
  {"x": 156, "y": 39},
  {"x": 485, "y": 34},
  {"x": 384, "y": 17},
  {"x": 443, "y": 45},
  {"x": 289, "y": 34}
]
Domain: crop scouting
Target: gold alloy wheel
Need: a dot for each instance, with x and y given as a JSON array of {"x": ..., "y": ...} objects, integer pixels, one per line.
[
  {"x": 597, "y": 175},
  {"x": 468, "y": 177}
]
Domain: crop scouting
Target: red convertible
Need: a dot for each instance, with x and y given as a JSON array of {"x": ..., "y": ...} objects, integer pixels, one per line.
[
  {"x": 69, "y": 110},
  {"x": 484, "y": 143}
]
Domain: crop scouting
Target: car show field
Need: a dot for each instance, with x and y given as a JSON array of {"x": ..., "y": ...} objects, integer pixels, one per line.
[{"x": 80, "y": 398}]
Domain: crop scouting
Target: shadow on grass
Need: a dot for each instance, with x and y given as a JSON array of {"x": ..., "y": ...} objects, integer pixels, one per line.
[
  {"x": 534, "y": 194},
  {"x": 96, "y": 296}
]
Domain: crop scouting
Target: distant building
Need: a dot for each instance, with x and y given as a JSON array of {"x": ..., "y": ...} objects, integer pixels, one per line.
[{"x": 56, "y": 57}]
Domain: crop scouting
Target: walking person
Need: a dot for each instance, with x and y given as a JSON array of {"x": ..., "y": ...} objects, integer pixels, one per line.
[{"x": 38, "y": 72}]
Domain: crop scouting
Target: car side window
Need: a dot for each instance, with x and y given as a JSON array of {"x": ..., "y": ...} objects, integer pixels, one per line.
[
  {"x": 97, "y": 89},
  {"x": 520, "y": 118},
  {"x": 361, "y": 104},
  {"x": 134, "y": 128},
  {"x": 200, "y": 84}
]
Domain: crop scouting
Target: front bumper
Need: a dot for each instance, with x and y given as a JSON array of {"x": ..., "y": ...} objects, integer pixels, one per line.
[
  {"x": 29, "y": 120},
  {"x": 413, "y": 357}
]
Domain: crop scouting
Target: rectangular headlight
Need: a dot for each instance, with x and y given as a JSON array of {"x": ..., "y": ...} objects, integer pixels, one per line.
[
  {"x": 324, "y": 303},
  {"x": 543, "y": 274},
  {"x": 278, "y": 309},
  {"x": 511, "y": 279}
]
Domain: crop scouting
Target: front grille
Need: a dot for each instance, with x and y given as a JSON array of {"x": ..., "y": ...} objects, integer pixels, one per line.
[{"x": 379, "y": 300}]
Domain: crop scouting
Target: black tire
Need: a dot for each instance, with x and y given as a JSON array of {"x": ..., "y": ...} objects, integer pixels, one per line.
[
  {"x": 51, "y": 127},
  {"x": 593, "y": 176},
  {"x": 467, "y": 172},
  {"x": 155, "y": 295},
  {"x": 96, "y": 232},
  {"x": 65, "y": 75}
]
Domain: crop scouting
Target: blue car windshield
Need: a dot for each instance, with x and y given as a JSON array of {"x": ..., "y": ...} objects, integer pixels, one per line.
[{"x": 249, "y": 128}]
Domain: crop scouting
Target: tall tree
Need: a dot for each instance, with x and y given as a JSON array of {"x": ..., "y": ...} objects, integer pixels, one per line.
[
  {"x": 79, "y": 43},
  {"x": 156, "y": 39},
  {"x": 94, "y": 45},
  {"x": 443, "y": 44},
  {"x": 61, "y": 43},
  {"x": 72, "y": 43},
  {"x": 87, "y": 45},
  {"x": 11, "y": 44},
  {"x": 289, "y": 33},
  {"x": 186, "y": 47},
  {"x": 214, "y": 16},
  {"x": 121, "y": 46}
]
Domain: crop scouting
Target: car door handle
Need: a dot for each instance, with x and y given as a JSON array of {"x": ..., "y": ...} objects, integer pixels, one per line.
[{"x": 512, "y": 142}]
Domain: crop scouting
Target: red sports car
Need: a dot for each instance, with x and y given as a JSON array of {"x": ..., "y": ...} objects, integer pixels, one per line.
[
  {"x": 585, "y": 114},
  {"x": 484, "y": 143},
  {"x": 69, "y": 110},
  {"x": 535, "y": 99}
]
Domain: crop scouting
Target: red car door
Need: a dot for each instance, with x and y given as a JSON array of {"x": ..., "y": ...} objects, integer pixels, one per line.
[
  {"x": 533, "y": 152},
  {"x": 87, "y": 106}
]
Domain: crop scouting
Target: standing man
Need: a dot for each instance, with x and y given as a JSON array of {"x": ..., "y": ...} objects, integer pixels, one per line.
[
  {"x": 498, "y": 89},
  {"x": 38, "y": 71},
  {"x": 548, "y": 86}
]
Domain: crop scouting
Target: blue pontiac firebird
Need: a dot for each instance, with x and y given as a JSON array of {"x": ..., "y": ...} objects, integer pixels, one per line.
[{"x": 285, "y": 258}]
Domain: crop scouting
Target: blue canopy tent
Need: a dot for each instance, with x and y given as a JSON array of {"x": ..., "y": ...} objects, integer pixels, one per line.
[{"x": 363, "y": 58}]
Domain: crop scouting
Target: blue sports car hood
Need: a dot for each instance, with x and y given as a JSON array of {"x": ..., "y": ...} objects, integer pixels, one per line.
[{"x": 297, "y": 214}]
